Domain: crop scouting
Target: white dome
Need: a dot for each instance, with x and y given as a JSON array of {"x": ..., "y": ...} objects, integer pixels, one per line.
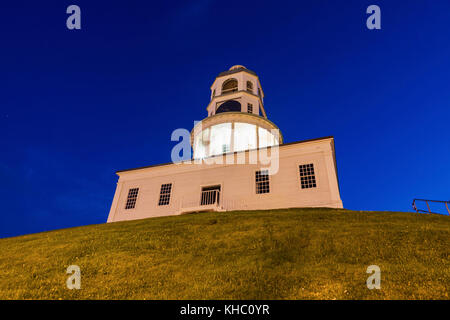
[{"x": 238, "y": 66}]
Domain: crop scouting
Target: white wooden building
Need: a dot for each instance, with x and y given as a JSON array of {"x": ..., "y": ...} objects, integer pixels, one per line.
[{"x": 239, "y": 163}]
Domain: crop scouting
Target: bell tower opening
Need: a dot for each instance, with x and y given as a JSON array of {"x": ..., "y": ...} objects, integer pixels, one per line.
[
  {"x": 231, "y": 85},
  {"x": 229, "y": 106}
]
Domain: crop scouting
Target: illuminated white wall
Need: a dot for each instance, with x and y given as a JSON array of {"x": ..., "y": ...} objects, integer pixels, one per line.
[
  {"x": 244, "y": 136},
  {"x": 237, "y": 184},
  {"x": 266, "y": 138},
  {"x": 222, "y": 138}
]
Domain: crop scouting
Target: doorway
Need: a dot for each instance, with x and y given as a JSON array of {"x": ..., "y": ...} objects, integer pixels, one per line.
[{"x": 210, "y": 195}]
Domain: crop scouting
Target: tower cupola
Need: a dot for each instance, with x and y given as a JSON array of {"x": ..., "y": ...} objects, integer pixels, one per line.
[
  {"x": 237, "y": 120},
  {"x": 237, "y": 90}
]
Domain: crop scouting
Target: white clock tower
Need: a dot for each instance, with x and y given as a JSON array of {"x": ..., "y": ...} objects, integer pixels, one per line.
[{"x": 237, "y": 120}]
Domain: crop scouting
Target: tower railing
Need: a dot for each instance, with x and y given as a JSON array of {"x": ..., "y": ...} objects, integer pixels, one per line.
[{"x": 427, "y": 202}]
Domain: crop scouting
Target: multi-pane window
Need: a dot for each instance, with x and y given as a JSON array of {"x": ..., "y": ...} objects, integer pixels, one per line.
[
  {"x": 249, "y": 108},
  {"x": 249, "y": 86},
  {"x": 225, "y": 148},
  {"x": 164, "y": 195},
  {"x": 131, "y": 199},
  {"x": 307, "y": 176},
  {"x": 262, "y": 181}
]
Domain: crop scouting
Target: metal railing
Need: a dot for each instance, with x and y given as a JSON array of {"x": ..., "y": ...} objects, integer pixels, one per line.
[
  {"x": 446, "y": 203},
  {"x": 225, "y": 91},
  {"x": 210, "y": 197}
]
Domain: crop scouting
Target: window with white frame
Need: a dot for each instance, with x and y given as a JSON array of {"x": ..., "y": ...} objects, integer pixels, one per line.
[
  {"x": 164, "y": 195},
  {"x": 131, "y": 199},
  {"x": 262, "y": 181},
  {"x": 249, "y": 108},
  {"x": 244, "y": 136},
  {"x": 307, "y": 176},
  {"x": 220, "y": 135}
]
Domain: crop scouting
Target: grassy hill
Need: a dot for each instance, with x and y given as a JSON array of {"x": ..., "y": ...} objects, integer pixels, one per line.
[{"x": 274, "y": 254}]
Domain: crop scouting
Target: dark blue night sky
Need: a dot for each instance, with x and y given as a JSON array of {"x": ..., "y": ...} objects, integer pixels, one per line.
[{"x": 75, "y": 106}]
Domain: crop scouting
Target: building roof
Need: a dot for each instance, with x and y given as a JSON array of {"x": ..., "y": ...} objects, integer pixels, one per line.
[{"x": 281, "y": 145}]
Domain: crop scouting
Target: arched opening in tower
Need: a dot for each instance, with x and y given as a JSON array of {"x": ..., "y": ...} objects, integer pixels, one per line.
[
  {"x": 229, "y": 106},
  {"x": 231, "y": 85}
]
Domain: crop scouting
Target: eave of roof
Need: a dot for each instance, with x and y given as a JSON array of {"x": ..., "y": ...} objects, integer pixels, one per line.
[
  {"x": 281, "y": 145},
  {"x": 245, "y": 114}
]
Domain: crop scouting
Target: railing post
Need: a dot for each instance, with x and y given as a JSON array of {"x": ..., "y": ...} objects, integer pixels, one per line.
[
  {"x": 209, "y": 197},
  {"x": 446, "y": 203}
]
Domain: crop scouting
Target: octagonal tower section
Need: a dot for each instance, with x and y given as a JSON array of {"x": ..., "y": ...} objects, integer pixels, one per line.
[{"x": 237, "y": 120}]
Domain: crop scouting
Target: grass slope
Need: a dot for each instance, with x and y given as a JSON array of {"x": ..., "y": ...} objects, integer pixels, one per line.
[{"x": 275, "y": 254}]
